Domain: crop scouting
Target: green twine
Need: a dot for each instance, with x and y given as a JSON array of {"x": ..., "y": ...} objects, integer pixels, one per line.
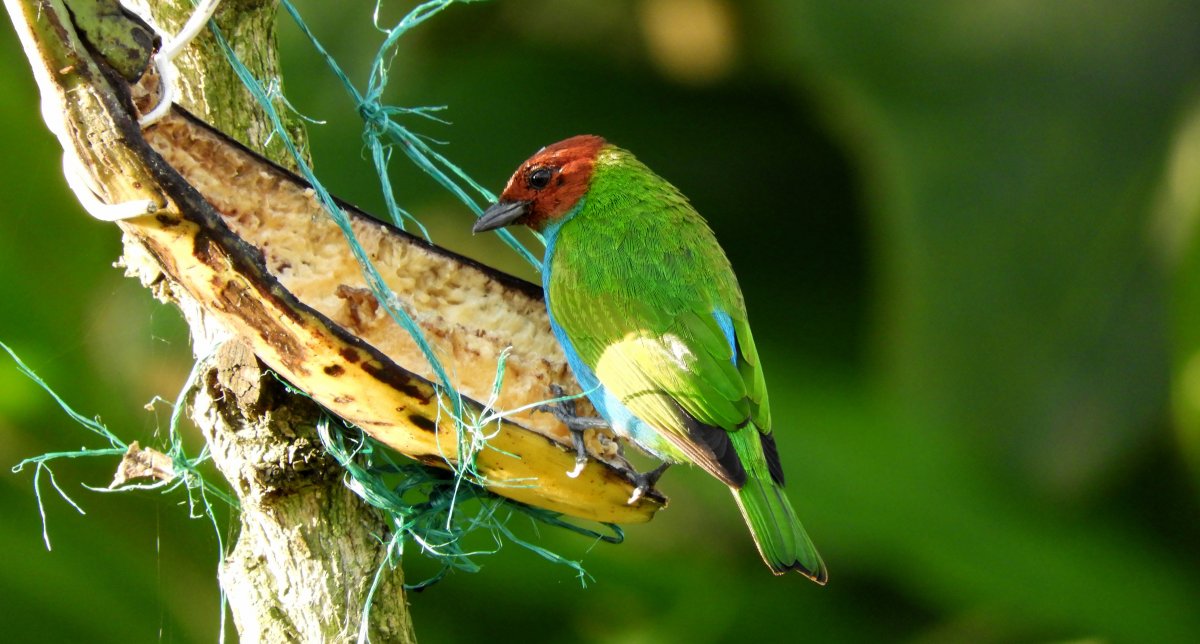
[
  {"x": 188, "y": 476},
  {"x": 422, "y": 502},
  {"x": 378, "y": 123}
]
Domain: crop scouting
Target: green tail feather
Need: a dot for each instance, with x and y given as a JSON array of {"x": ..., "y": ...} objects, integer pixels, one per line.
[{"x": 781, "y": 539}]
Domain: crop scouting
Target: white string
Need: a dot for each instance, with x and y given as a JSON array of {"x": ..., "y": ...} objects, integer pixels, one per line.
[
  {"x": 164, "y": 60},
  {"x": 78, "y": 180}
]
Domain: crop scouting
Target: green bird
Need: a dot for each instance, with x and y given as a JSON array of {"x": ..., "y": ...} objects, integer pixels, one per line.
[{"x": 654, "y": 327}]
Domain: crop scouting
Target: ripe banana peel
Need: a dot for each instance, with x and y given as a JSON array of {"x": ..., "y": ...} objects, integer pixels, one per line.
[{"x": 249, "y": 242}]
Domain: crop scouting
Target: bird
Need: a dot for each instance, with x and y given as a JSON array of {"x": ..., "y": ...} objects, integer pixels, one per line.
[{"x": 649, "y": 314}]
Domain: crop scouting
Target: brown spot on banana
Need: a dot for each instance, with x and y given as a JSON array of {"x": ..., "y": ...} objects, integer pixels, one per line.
[{"x": 422, "y": 423}]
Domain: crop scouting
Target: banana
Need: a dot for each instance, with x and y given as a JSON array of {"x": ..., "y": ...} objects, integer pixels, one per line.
[{"x": 250, "y": 243}]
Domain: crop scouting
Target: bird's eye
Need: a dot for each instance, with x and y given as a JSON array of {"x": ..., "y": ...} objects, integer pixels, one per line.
[{"x": 539, "y": 178}]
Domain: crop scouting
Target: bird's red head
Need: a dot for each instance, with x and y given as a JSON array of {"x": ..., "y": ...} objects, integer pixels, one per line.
[{"x": 547, "y": 186}]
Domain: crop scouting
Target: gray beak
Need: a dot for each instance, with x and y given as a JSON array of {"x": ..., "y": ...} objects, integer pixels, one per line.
[{"x": 500, "y": 214}]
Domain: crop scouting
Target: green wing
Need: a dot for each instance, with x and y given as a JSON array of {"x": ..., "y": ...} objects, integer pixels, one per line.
[{"x": 643, "y": 319}]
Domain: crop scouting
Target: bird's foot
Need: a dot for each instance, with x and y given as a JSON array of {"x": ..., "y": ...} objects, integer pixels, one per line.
[
  {"x": 565, "y": 412},
  {"x": 645, "y": 481}
]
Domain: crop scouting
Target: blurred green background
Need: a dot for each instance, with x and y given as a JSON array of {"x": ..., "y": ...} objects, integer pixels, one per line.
[{"x": 966, "y": 235}]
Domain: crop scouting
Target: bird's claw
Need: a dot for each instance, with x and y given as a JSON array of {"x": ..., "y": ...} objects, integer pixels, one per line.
[
  {"x": 580, "y": 452},
  {"x": 645, "y": 482},
  {"x": 565, "y": 412},
  {"x": 580, "y": 463}
]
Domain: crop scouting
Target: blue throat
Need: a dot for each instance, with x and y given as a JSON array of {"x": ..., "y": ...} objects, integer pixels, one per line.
[
  {"x": 618, "y": 416},
  {"x": 584, "y": 374}
]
